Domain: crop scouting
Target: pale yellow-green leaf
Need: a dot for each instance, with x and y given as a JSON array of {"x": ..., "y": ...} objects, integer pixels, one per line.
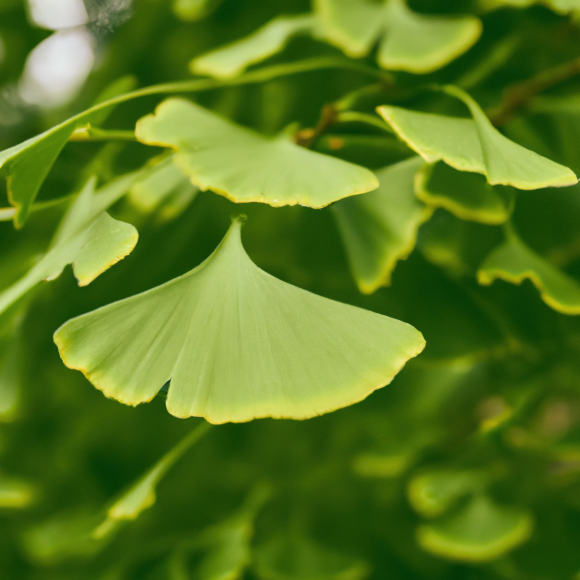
[
  {"x": 481, "y": 531},
  {"x": 514, "y": 262},
  {"x": 245, "y": 166},
  {"x": 231, "y": 60},
  {"x": 380, "y": 228},
  {"x": 474, "y": 145},
  {"x": 467, "y": 196},
  {"x": 237, "y": 344}
]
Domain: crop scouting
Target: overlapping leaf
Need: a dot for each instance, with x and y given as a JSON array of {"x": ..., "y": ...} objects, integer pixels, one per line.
[
  {"x": 514, "y": 262},
  {"x": 480, "y": 532},
  {"x": 237, "y": 344},
  {"x": 409, "y": 41},
  {"x": 466, "y": 195},
  {"x": 474, "y": 145},
  {"x": 380, "y": 228},
  {"x": 246, "y": 166},
  {"x": 88, "y": 238}
]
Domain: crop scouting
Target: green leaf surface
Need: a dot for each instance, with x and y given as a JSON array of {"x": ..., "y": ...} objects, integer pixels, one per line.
[
  {"x": 165, "y": 189},
  {"x": 410, "y": 41},
  {"x": 231, "y": 60},
  {"x": 514, "y": 262},
  {"x": 237, "y": 344},
  {"x": 434, "y": 492},
  {"x": 292, "y": 557},
  {"x": 380, "y": 228},
  {"x": 142, "y": 494},
  {"x": 87, "y": 237},
  {"x": 467, "y": 196},
  {"x": 474, "y": 145},
  {"x": 480, "y": 532},
  {"x": 245, "y": 166}
]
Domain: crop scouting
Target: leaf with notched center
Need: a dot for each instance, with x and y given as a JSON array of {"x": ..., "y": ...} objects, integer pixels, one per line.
[
  {"x": 245, "y": 166},
  {"x": 409, "y": 41},
  {"x": 237, "y": 344},
  {"x": 475, "y": 145}
]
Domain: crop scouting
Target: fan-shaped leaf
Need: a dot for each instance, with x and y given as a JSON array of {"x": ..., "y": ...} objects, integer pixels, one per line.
[
  {"x": 514, "y": 262},
  {"x": 432, "y": 493},
  {"x": 480, "y": 532},
  {"x": 88, "y": 238},
  {"x": 246, "y": 166},
  {"x": 293, "y": 557},
  {"x": 475, "y": 145},
  {"x": 233, "y": 59},
  {"x": 412, "y": 42},
  {"x": 380, "y": 227},
  {"x": 466, "y": 195},
  {"x": 237, "y": 344}
]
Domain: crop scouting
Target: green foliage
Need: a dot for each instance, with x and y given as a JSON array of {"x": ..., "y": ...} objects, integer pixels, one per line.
[{"x": 409, "y": 282}]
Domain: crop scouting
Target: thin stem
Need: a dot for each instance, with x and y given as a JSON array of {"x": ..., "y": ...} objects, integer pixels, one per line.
[
  {"x": 7, "y": 213},
  {"x": 518, "y": 95},
  {"x": 356, "y": 117}
]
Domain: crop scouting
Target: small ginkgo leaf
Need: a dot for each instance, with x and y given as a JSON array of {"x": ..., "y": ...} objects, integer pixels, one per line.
[
  {"x": 412, "y": 42},
  {"x": 237, "y": 344},
  {"x": 514, "y": 262},
  {"x": 142, "y": 494},
  {"x": 245, "y": 166},
  {"x": 480, "y": 532},
  {"x": 231, "y": 60},
  {"x": 432, "y": 493},
  {"x": 87, "y": 237},
  {"x": 380, "y": 228},
  {"x": 475, "y": 145},
  {"x": 166, "y": 189},
  {"x": 15, "y": 493},
  {"x": 467, "y": 196},
  {"x": 292, "y": 557}
]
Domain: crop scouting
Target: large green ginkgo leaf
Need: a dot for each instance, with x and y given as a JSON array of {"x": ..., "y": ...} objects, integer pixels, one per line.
[
  {"x": 231, "y": 60},
  {"x": 87, "y": 237},
  {"x": 467, "y": 196},
  {"x": 246, "y": 166},
  {"x": 380, "y": 228},
  {"x": 413, "y": 42},
  {"x": 514, "y": 262},
  {"x": 480, "y": 532},
  {"x": 475, "y": 145},
  {"x": 237, "y": 344}
]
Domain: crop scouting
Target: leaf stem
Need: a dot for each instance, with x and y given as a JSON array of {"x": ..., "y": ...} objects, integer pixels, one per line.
[
  {"x": 356, "y": 117},
  {"x": 88, "y": 133},
  {"x": 518, "y": 95}
]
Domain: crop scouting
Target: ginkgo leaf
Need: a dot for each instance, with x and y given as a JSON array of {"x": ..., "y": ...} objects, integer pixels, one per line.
[
  {"x": 467, "y": 196},
  {"x": 291, "y": 557},
  {"x": 480, "y": 532},
  {"x": 87, "y": 237},
  {"x": 432, "y": 493},
  {"x": 231, "y": 60},
  {"x": 514, "y": 262},
  {"x": 165, "y": 189},
  {"x": 475, "y": 145},
  {"x": 380, "y": 228},
  {"x": 245, "y": 166},
  {"x": 412, "y": 42},
  {"x": 142, "y": 494},
  {"x": 237, "y": 344}
]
